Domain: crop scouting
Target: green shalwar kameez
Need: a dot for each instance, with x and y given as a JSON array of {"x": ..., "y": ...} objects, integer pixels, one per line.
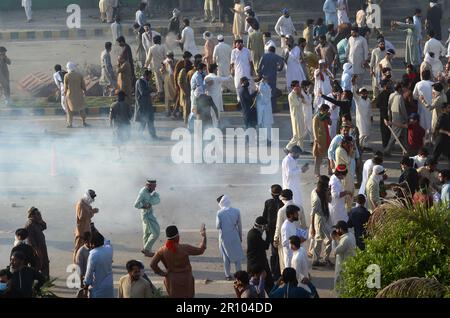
[
  {"x": 412, "y": 50},
  {"x": 150, "y": 225}
]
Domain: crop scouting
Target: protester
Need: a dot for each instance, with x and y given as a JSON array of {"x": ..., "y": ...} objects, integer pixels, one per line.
[
  {"x": 36, "y": 226},
  {"x": 84, "y": 213},
  {"x": 357, "y": 219},
  {"x": 21, "y": 245},
  {"x": 133, "y": 285}
]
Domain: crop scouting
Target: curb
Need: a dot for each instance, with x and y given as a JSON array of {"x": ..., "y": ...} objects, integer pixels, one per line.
[
  {"x": 93, "y": 111},
  {"x": 106, "y": 31}
]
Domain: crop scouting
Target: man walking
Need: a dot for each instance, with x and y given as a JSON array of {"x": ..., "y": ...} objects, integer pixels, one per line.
[
  {"x": 145, "y": 113},
  {"x": 147, "y": 198},
  {"x": 26, "y": 4},
  {"x": 228, "y": 222},
  {"x": 74, "y": 90}
]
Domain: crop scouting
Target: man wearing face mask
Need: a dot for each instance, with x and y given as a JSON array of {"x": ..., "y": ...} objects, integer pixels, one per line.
[
  {"x": 5, "y": 277},
  {"x": 84, "y": 213},
  {"x": 373, "y": 187},
  {"x": 147, "y": 198},
  {"x": 256, "y": 250}
]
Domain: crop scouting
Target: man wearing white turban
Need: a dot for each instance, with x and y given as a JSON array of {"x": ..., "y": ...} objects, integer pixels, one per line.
[
  {"x": 373, "y": 187},
  {"x": 229, "y": 224},
  {"x": 74, "y": 90}
]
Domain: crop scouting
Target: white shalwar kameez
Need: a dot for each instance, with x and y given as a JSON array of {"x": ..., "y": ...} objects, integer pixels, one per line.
[
  {"x": 188, "y": 40},
  {"x": 425, "y": 89},
  {"x": 363, "y": 114},
  {"x": 367, "y": 171},
  {"x": 291, "y": 178},
  {"x": 288, "y": 229},
  {"x": 241, "y": 60},
  {"x": 307, "y": 113},
  {"x": 337, "y": 205},
  {"x": 321, "y": 86},
  {"x": 342, "y": 12},
  {"x": 213, "y": 84},
  {"x": 334, "y": 116},
  {"x": 60, "y": 84},
  {"x": 294, "y": 70},
  {"x": 283, "y": 28}
]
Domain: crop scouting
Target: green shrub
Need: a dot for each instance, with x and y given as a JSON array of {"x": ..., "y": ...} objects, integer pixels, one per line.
[{"x": 413, "y": 242}]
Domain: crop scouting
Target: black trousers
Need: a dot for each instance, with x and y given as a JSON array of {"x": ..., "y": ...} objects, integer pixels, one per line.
[
  {"x": 385, "y": 133},
  {"x": 150, "y": 123},
  {"x": 275, "y": 263},
  {"x": 441, "y": 148}
]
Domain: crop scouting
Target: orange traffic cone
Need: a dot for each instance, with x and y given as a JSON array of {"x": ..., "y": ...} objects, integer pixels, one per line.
[{"x": 53, "y": 163}]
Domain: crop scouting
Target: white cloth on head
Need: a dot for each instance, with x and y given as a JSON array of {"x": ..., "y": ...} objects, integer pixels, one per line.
[
  {"x": 71, "y": 67},
  {"x": 222, "y": 57},
  {"x": 224, "y": 202},
  {"x": 291, "y": 178},
  {"x": 87, "y": 198},
  {"x": 367, "y": 171}
]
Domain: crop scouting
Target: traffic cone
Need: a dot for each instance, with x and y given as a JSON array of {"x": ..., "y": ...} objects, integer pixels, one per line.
[{"x": 53, "y": 163}]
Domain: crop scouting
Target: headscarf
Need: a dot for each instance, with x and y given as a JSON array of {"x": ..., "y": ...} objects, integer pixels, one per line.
[
  {"x": 347, "y": 69},
  {"x": 205, "y": 35},
  {"x": 376, "y": 170},
  {"x": 71, "y": 67},
  {"x": 224, "y": 202},
  {"x": 87, "y": 198},
  {"x": 172, "y": 244},
  {"x": 176, "y": 13}
]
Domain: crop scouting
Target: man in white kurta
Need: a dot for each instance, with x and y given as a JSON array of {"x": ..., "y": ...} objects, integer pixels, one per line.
[
  {"x": 424, "y": 89},
  {"x": 322, "y": 84},
  {"x": 285, "y": 27},
  {"x": 363, "y": 115},
  {"x": 288, "y": 229},
  {"x": 334, "y": 112},
  {"x": 307, "y": 102},
  {"x": 345, "y": 243},
  {"x": 213, "y": 84},
  {"x": 367, "y": 171},
  {"x": 299, "y": 260},
  {"x": 222, "y": 57},
  {"x": 147, "y": 38},
  {"x": 342, "y": 12},
  {"x": 435, "y": 46},
  {"x": 155, "y": 58},
  {"x": 26, "y": 4},
  {"x": 286, "y": 198},
  {"x": 59, "y": 82},
  {"x": 291, "y": 174},
  {"x": 337, "y": 205},
  {"x": 242, "y": 65},
  {"x": 294, "y": 70},
  {"x": 188, "y": 39},
  {"x": 358, "y": 55}
]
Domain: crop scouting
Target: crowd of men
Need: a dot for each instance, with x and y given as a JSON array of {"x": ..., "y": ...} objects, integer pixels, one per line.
[{"x": 335, "y": 114}]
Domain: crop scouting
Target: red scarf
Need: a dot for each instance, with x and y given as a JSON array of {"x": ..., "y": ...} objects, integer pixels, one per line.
[
  {"x": 172, "y": 244},
  {"x": 322, "y": 78}
]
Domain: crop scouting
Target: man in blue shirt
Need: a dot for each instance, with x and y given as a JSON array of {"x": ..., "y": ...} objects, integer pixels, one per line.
[
  {"x": 444, "y": 178},
  {"x": 358, "y": 218}
]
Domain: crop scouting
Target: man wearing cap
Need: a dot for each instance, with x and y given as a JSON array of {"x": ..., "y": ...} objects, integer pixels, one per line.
[
  {"x": 270, "y": 65},
  {"x": 433, "y": 21},
  {"x": 285, "y": 27},
  {"x": 228, "y": 222},
  {"x": 345, "y": 243},
  {"x": 178, "y": 278},
  {"x": 363, "y": 115},
  {"x": 377, "y": 55},
  {"x": 256, "y": 250},
  {"x": 84, "y": 213},
  {"x": 338, "y": 195},
  {"x": 358, "y": 55},
  {"x": 4, "y": 74},
  {"x": 322, "y": 83},
  {"x": 373, "y": 187},
  {"x": 222, "y": 57},
  {"x": 147, "y": 198}
]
